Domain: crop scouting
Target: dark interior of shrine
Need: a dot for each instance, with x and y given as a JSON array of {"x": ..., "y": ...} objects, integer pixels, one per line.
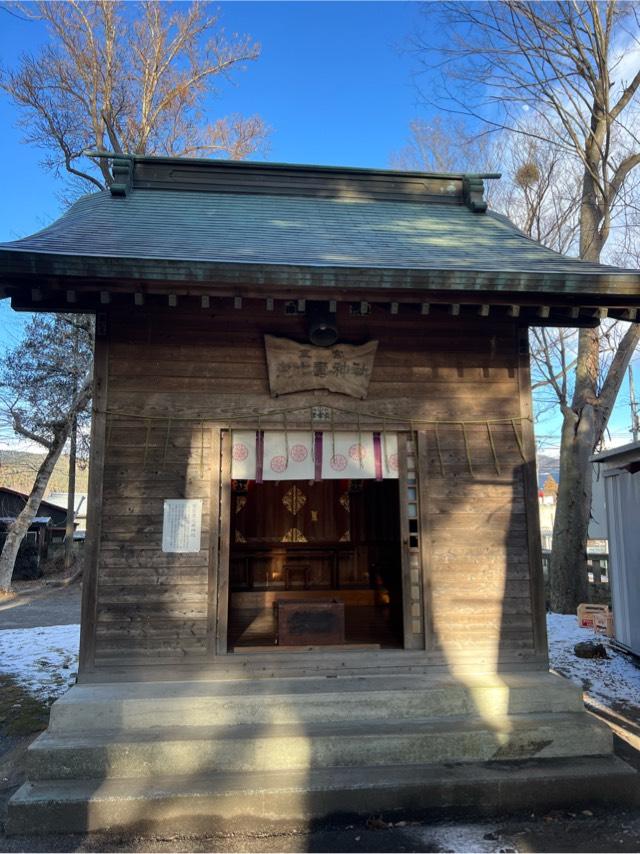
[{"x": 315, "y": 563}]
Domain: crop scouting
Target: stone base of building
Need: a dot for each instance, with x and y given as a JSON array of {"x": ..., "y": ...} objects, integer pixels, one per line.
[{"x": 212, "y": 756}]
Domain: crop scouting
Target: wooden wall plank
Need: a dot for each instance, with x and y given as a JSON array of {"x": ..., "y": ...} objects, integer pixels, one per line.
[{"x": 210, "y": 365}]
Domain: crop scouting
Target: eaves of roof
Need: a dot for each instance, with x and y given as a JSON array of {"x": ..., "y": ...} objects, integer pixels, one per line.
[{"x": 226, "y": 240}]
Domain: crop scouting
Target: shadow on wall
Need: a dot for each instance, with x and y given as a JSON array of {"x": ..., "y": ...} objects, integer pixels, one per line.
[{"x": 158, "y": 609}]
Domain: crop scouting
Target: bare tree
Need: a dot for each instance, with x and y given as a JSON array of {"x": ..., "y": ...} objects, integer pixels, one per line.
[
  {"x": 445, "y": 144},
  {"x": 540, "y": 186},
  {"x": 572, "y": 67},
  {"x": 45, "y": 384},
  {"x": 133, "y": 78}
]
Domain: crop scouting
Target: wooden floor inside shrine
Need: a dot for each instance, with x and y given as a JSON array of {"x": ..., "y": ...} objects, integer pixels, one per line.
[{"x": 368, "y": 625}]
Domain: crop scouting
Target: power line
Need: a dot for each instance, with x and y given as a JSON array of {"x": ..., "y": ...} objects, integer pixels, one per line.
[{"x": 635, "y": 421}]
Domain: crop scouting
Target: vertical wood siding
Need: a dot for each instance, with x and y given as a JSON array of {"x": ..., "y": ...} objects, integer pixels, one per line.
[{"x": 210, "y": 366}]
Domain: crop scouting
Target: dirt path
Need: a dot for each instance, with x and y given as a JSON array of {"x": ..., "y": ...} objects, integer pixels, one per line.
[{"x": 37, "y": 605}]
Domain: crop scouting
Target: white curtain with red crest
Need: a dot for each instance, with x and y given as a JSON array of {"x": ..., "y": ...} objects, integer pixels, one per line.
[{"x": 319, "y": 455}]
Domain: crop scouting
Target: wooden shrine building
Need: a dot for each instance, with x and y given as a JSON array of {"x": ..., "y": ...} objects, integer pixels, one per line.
[{"x": 313, "y": 551}]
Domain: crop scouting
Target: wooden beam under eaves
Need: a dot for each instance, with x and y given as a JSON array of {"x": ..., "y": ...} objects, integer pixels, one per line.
[
  {"x": 72, "y": 297},
  {"x": 513, "y": 311},
  {"x": 575, "y": 312},
  {"x": 138, "y": 298},
  {"x": 484, "y": 310},
  {"x": 454, "y": 310},
  {"x": 425, "y": 308},
  {"x": 544, "y": 311},
  {"x": 333, "y": 306},
  {"x": 269, "y": 303},
  {"x": 172, "y": 300},
  {"x": 105, "y": 297},
  {"x": 394, "y": 308},
  {"x": 205, "y": 301},
  {"x": 237, "y": 302}
]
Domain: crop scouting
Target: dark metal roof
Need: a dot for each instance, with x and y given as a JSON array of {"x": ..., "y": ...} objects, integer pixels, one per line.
[
  {"x": 631, "y": 449},
  {"x": 347, "y": 220},
  {"x": 192, "y": 226}
]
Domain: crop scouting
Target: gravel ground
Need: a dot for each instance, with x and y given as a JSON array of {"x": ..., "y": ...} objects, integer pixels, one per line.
[{"x": 592, "y": 831}]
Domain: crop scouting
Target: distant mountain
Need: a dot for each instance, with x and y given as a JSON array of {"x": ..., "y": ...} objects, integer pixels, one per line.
[
  {"x": 547, "y": 465},
  {"x": 18, "y": 470}
]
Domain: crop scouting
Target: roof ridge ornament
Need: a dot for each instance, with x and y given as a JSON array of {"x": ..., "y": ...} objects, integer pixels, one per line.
[
  {"x": 122, "y": 171},
  {"x": 473, "y": 193}
]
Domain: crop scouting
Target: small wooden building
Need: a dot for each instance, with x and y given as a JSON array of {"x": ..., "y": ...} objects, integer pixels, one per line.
[
  {"x": 47, "y": 527},
  {"x": 619, "y": 469},
  {"x": 312, "y": 457}
]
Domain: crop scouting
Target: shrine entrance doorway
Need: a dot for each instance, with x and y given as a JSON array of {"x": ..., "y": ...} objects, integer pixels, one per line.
[{"x": 315, "y": 564}]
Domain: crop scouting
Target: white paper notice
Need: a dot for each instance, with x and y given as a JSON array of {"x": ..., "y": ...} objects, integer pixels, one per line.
[{"x": 182, "y": 525}]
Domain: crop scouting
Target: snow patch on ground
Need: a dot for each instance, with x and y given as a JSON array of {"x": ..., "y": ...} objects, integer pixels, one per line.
[
  {"x": 611, "y": 682},
  {"x": 460, "y": 838},
  {"x": 44, "y": 660}
]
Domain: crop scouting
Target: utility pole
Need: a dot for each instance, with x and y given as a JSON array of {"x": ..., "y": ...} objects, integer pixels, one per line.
[
  {"x": 71, "y": 488},
  {"x": 71, "y": 499},
  {"x": 635, "y": 419}
]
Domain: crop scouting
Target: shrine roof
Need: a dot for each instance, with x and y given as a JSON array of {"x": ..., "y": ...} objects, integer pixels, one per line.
[{"x": 208, "y": 222}]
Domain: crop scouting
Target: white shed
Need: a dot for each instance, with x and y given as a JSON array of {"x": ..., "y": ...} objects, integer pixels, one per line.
[{"x": 620, "y": 470}]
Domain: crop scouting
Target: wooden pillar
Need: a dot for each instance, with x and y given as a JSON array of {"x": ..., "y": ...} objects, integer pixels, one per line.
[
  {"x": 412, "y": 595},
  {"x": 530, "y": 484},
  {"x": 94, "y": 508},
  {"x": 215, "y": 531},
  {"x": 222, "y": 586}
]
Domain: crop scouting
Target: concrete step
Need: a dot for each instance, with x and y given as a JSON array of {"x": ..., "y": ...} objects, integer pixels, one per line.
[
  {"x": 130, "y": 706},
  {"x": 201, "y": 750},
  {"x": 234, "y": 802}
]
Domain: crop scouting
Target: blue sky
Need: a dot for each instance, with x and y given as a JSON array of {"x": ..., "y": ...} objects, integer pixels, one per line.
[{"x": 333, "y": 82}]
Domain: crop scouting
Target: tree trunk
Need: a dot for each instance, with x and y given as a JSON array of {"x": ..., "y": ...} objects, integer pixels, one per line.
[
  {"x": 54, "y": 449},
  {"x": 568, "y": 570},
  {"x": 71, "y": 499},
  {"x": 582, "y": 428},
  {"x": 23, "y": 522}
]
